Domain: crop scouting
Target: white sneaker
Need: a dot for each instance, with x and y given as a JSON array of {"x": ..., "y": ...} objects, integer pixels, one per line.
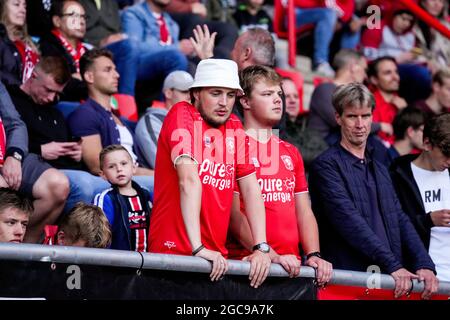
[{"x": 325, "y": 69}]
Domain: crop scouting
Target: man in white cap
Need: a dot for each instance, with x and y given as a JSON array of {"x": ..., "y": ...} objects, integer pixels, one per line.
[
  {"x": 175, "y": 89},
  {"x": 200, "y": 157}
]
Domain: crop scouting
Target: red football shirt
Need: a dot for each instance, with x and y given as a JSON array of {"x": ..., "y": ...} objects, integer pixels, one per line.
[
  {"x": 281, "y": 175},
  {"x": 220, "y": 154},
  {"x": 384, "y": 112}
]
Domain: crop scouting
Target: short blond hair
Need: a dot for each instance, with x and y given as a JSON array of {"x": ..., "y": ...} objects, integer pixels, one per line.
[{"x": 89, "y": 223}]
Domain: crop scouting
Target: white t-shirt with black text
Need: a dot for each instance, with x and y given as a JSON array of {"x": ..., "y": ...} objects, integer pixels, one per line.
[{"x": 434, "y": 188}]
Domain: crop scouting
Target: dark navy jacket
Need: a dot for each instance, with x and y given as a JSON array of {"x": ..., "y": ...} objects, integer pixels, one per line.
[
  {"x": 346, "y": 238},
  {"x": 116, "y": 210},
  {"x": 10, "y": 60}
]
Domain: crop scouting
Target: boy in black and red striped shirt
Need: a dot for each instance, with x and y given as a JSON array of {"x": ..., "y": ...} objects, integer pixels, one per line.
[{"x": 126, "y": 204}]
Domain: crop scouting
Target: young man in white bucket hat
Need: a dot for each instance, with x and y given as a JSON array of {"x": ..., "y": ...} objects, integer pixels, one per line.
[{"x": 200, "y": 159}]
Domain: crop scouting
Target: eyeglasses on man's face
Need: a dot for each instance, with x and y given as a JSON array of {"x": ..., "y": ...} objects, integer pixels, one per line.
[{"x": 74, "y": 15}]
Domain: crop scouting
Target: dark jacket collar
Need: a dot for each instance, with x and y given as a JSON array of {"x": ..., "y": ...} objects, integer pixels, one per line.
[{"x": 368, "y": 154}]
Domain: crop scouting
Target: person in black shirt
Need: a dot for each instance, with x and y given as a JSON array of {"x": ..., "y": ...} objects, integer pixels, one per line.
[{"x": 48, "y": 133}]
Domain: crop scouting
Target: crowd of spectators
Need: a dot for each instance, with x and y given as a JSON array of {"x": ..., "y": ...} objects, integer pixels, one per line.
[{"x": 64, "y": 144}]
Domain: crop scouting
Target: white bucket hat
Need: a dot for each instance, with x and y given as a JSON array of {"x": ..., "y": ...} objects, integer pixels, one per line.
[{"x": 217, "y": 73}]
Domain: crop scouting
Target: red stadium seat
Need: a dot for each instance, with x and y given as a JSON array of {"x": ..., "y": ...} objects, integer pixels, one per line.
[{"x": 127, "y": 106}]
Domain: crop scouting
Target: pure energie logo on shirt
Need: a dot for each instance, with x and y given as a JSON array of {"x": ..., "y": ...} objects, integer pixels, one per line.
[{"x": 217, "y": 175}]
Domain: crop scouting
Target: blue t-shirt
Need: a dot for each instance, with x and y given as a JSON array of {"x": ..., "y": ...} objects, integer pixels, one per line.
[{"x": 91, "y": 118}]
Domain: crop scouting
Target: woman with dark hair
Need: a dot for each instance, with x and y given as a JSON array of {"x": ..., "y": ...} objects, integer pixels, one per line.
[
  {"x": 18, "y": 53},
  {"x": 433, "y": 44}
]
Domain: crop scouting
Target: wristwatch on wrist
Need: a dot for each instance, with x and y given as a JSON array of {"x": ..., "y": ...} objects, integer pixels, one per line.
[
  {"x": 263, "y": 247},
  {"x": 17, "y": 156}
]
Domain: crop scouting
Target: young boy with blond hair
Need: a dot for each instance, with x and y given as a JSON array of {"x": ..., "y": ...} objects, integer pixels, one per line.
[
  {"x": 126, "y": 204},
  {"x": 85, "y": 225}
]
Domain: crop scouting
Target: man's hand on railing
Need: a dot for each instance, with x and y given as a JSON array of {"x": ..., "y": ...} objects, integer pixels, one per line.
[
  {"x": 259, "y": 267},
  {"x": 219, "y": 263},
  {"x": 324, "y": 269},
  {"x": 430, "y": 281},
  {"x": 403, "y": 281},
  {"x": 289, "y": 262}
]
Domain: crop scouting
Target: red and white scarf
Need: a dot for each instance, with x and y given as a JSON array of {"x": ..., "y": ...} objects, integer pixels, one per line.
[
  {"x": 75, "y": 53},
  {"x": 30, "y": 58}
]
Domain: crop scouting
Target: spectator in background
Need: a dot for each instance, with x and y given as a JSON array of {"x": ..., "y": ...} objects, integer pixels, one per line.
[
  {"x": 25, "y": 171},
  {"x": 439, "y": 100},
  {"x": 422, "y": 183},
  {"x": 175, "y": 89},
  {"x": 324, "y": 20},
  {"x": 360, "y": 219},
  {"x": 290, "y": 221},
  {"x": 48, "y": 133},
  {"x": 190, "y": 13},
  {"x": 254, "y": 46},
  {"x": 396, "y": 39},
  {"x": 135, "y": 59},
  {"x": 408, "y": 132},
  {"x": 350, "y": 67},
  {"x": 349, "y": 24},
  {"x": 292, "y": 100},
  {"x": 307, "y": 140},
  {"x": 385, "y": 82},
  {"x": 251, "y": 14},
  {"x": 435, "y": 46},
  {"x": 64, "y": 40},
  {"x": 15, "y": 211},
  {"x": 127, "y": 205},
  {"x": 94, "y": 120},
  {"x": 84, "y": 225},
  {"x": 194, "y": 188},
  {"x": 155, "y": 33},
  {"x": 18, "y": 53}
]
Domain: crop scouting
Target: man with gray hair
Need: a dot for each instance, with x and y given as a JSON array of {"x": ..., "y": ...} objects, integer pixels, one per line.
[
  {"x": 361, "y": 222},
  {"x": 175, "y": 89},
  {"x": 201, "y": 157},
  {"x": 254, "y": 46}
]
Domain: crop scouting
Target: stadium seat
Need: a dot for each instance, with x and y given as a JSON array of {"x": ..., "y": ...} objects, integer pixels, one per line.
[
  {"x": 283, "y": 9},
  {"x": 297, "y": 78},
  {"x": 126, "y": 106}
]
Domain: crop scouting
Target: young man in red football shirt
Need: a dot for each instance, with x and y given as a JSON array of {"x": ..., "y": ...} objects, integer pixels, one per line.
[
  {"x": 200, "y": 159},
  {"x": 281, "y": 175}
]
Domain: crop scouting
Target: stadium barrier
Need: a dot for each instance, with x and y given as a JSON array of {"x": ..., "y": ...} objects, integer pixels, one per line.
[{"x": 30, "y": 270}]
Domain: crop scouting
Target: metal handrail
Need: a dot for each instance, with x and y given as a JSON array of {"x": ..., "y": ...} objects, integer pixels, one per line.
[{"x": 169, "y": 262}]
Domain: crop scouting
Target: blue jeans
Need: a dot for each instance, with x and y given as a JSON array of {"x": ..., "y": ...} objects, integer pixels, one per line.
[
  {"x": 324, "y": 20},
  {"x": 84, "y": 186},
  {"x": 134, "y": 65},
  {"x": 349, "y": 39}
]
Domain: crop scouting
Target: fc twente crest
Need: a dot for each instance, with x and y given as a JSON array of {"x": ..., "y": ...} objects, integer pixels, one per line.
[{"x": 288, "y": 162}]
